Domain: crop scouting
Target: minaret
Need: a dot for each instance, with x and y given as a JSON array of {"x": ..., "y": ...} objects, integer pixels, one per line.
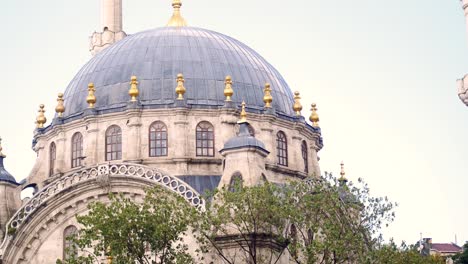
[
  {"x": 462, "y": 84},
  {"x": 111, "y": 15},
  {"x": 111, "y": 26}
]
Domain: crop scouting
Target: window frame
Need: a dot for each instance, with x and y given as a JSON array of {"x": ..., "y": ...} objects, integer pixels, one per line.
[
  {"x": 76, "y": 150},
  {"x": 163, "y": 141},
  {"x": 305, "y": 156},
  {"x": 282, "y": 148},
  {"x": 67, "y": 243},
  {"x": 205, "y": 145},
  {"x": 115, "y": 136},
  {"x": 52, "y": 158}
]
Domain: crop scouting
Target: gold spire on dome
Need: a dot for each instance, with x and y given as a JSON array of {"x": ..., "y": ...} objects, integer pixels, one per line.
[
  {"x": 243, "y": 114},
  {"x": 176, "y": 20},
  {"x": 314, "y": 118},
  {"x": 267, "y": 98},
  {"x": 228, "y": 91},
  {"x": 1, "y": 148},
  {"x": 41, "y": 119},
  {"x": 180, "y": 89},
  {"x": 91, "y": 99},
  {"x": 342, "y": 173},
  {"x": 60, "y": 108},
  {"x": 133, "y": 92},
  {"x": 297, "y": 103}
]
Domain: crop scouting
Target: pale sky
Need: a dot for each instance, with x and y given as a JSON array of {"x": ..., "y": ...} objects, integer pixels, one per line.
[{"x": 382, "y": 73}]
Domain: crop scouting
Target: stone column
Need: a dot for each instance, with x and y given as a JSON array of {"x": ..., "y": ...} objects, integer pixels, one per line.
[
  {"x": 296, "y": 161},
  {"x": 61, "y": 151},
  {"x": 314, "y": 170},
  {"x": 132, "y": 138},
  {"x": 179, "y": 142},
  {"x": 91, "y": 141}
]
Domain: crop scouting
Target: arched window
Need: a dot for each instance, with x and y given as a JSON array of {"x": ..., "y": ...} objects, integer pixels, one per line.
[
  {"x": 52, "y": 158},
  {"x": 310, "y": 236},
  {"x": 205, "y": 139},
  {"x": 77, "y": 150},
  {"x": 158, "y": 139},
  {"x": 282, "y": 148},
  {"x": 305, "y": 156},
  {"x": 113, "y": 143},
  {"x": 294, "y": 239},
  {"x": 69, "y": 248},
  {"x": 236, "y": 181}
]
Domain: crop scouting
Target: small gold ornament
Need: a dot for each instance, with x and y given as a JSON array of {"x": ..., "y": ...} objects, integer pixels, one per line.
[
  {"x": 314, "y": 118},
  {"x": 133, "y": 92},
  {"x": 41, "y": 119},
  {"x": 228, "y": 91},
  {"x": 60, "y": 109},
  {"x": 91, "y": 99},
  {"x": 243, "y": 114},
  {"x": 297, "y": 103},
  {"x": 176, "y": 20},
  {"x": 267, "y": 98},
  {"x": 180, "y": 89}
]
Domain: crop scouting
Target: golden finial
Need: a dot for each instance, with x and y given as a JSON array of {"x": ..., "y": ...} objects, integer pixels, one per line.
[
  {"x": 41, "y": 119},
  {"x": 297, "y": 103},
  {"x": 60, "y": 107},
  {"x": 1, "y": 148},
  {"x": 180, "y": 89},
  {"x": 314, "y": 118},
  {"x": 133, "y": 92},
  {"x": 243, "y": 114},
  {"x": 228, "y": 91},
  {"x": 267, "y": 98},
  {"x": 176, "y": 20},
  {"x": 342, "y": 173},
  {"x": 91, "y": 99}
]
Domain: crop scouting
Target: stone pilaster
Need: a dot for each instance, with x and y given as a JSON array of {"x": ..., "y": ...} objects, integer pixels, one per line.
[
  {"x": 133, "y": 138},
  {"x": 60, "y": 162},
  {"x": 91, "y": 148}
]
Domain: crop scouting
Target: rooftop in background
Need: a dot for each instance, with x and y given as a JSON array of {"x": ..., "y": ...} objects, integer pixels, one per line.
[{"x": 446, "y": 247}]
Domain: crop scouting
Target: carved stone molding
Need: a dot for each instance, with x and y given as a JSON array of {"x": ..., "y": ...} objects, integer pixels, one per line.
[{"x": 102, "y": 174}]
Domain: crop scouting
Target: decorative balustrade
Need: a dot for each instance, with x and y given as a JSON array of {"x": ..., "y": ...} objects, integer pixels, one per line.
[{"x": 101, "y": 174}]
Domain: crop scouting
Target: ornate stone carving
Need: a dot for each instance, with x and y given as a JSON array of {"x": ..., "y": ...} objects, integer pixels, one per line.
[{"x": 103, "y": 174}]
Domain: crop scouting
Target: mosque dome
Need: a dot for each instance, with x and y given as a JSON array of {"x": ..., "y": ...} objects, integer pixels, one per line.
[{"x": 156, "y": 56}]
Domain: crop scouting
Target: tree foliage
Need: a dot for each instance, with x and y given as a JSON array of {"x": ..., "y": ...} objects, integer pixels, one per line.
[
  {"x": 134, "y": 232},
  {"x": 462, "y": 258},
  {"x": 313, "y": 221},
  {"x": 318, "y": 220}
]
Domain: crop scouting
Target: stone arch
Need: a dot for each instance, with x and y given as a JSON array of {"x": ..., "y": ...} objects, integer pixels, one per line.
[{"x": 69, "y": 196}]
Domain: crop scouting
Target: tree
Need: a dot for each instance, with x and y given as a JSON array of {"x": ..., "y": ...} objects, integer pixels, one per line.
[
  {"x": 392, "y": 254},
  {"x": 315, "y": 221},
  {"x": 462, "y": 258},
  {"x": 133, "y": 232}
]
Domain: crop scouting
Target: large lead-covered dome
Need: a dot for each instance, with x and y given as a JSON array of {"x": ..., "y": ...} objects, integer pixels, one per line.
[{"x": 156, "y": 57}]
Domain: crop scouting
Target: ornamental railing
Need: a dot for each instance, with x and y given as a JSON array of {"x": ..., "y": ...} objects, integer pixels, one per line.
[{"x": 102, "y": 174}]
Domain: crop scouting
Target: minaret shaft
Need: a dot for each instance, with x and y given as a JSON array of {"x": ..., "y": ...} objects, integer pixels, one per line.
[
  {"x": 111, "y": 15},
  {"x": 111, "y": 26}
]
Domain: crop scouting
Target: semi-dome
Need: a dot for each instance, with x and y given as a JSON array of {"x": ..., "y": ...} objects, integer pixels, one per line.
[{"x": 156, "y": 56}]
